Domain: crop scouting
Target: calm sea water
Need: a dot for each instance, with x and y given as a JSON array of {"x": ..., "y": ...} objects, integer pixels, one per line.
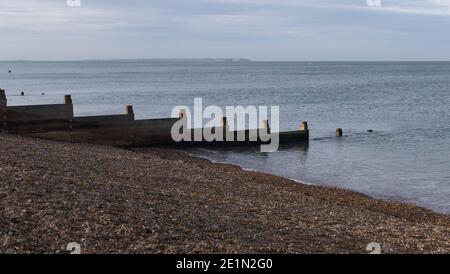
[{"x": 406, "y": 158}]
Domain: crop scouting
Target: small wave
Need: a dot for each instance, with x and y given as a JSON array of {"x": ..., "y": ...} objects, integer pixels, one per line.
[
  {"x": 214, "y": 161},
  {"x": 298, "y": 181}
]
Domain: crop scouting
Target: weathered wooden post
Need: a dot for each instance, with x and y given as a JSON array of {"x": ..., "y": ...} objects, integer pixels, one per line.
[
  {"x": 2, "y": 98},
  {"x": 182, "y": 116},
  {"x": 339, "y": 132},
  {"x": 227, "y": 134},
  {"x": 182, "y": 113},
  {"x": 3, "y": 104},
  {"x": 224, "y": 123},
  {"x": 68, "y": 99},
  {"x": 131, "y": 133},
  {"x": 304, "y": 126},
  {"x": 265, "y": 125},
  {"x": 68, "y": 102},
  {"x": 129, "y": 110}
]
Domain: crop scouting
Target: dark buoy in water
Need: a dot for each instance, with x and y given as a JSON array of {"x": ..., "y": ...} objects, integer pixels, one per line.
[
  {"x": 42, "y": 93},
  {"x": 339, "y": 132},
  {"x": 22, "y": 93},
  {"x": 9, "y": 71},
  {"x": 370, "y": 130}
]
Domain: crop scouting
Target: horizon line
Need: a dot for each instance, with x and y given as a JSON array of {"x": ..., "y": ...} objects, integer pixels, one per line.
[{"x": 215, "y": 59}]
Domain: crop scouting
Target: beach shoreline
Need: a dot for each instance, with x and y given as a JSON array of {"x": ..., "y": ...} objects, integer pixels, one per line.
[
  {"x": 159, "y": 200},
  {"x": 302, "y": 181}
]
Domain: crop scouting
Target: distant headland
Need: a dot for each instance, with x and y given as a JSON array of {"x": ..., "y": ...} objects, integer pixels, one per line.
[{"x": 143, "y": 60}]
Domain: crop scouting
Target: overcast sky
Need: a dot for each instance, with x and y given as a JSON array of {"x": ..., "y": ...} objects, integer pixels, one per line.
[{"x": 255, "y": 29}]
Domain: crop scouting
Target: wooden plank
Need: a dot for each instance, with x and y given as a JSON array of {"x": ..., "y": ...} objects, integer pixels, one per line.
[
  {"x": 63, "y": 136},
  {"x": 106, "y": 130},
  {"x": 117, "y": 135},
  {"x": 41, "y": 126},
  {"x": 152, "y": 132},
  {"x": 294, "y": 136},
  {"x": 39, "y": 112},
  {"x": 102, "y": 121},
  {"x": 152, "y": 125}
]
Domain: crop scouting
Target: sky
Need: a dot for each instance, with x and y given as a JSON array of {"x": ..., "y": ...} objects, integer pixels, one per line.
[{"x": 265, "y": 30}]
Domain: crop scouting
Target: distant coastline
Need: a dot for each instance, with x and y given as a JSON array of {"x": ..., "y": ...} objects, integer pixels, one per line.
[
  {"x": 243, "y": 60},
  {"x": 140, "y": 60}
]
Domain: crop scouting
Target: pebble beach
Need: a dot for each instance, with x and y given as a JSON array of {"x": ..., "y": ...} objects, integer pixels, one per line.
[{"x": 157, "y": 200}]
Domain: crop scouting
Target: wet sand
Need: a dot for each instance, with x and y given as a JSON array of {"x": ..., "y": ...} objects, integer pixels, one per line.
[{"x": 112, "y": 200}]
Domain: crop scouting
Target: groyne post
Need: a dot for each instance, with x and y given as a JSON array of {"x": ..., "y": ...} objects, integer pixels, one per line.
[
  {"x": 227, "y": 134},
  {"x": 182, "y": 113},
  {"x": 2, "y": 98},
  {"x": 131, "y": 133},
  {"x": 304, "y": 126},
  {"x": 339, "y": 132},
  {"x": 183, "y": 116},
  {"x": 224, "y": 123},
  {"x": 129, "y": 110},
  {"x": 68, "y": 99},
  {"x": 265, "y": 125},
  {"x": 3, "y": 104}
]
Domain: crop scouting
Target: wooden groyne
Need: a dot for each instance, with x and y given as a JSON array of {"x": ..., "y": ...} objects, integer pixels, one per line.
[{"x": 57, "y": 122}]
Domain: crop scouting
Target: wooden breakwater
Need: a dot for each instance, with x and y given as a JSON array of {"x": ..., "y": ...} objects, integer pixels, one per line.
[{"x": 57, "y": 122}]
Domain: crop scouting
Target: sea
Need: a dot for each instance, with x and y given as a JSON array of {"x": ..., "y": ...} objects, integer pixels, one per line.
[{"x": 395, "y": 115}]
